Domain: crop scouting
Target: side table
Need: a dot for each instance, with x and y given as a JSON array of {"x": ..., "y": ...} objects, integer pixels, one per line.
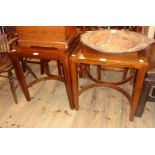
[
  {"x": 44, "y": 54},
  {"x": 88, "y": 56}
]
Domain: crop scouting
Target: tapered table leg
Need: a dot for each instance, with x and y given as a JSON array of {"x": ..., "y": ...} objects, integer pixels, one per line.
[
  {"x": 19, "y": 75},
  {"x": 42, "y": 67},
  {"x": 74, "y": 79},
  {"x": 59, "y": 68},
  {"x": 99, "y": 72},
  {"x": 68, "y": 83}
]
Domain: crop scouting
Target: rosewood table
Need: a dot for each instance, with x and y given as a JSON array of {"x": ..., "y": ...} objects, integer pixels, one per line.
[
  {"x": 45, "y": 54},
  {"x": 134, "y": 60}
]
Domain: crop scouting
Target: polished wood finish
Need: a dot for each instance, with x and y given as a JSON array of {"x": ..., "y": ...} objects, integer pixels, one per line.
[
  {"x": 84, "y": 29},
  {"x": 59, "y": 37},
  {"x": 45, "y": 54},
  {"x": 6, "y": 65},
  {"x": 45, "y": 43},
  {"x": 136, "y": 60},
  {"x": 46, "y": 36}
]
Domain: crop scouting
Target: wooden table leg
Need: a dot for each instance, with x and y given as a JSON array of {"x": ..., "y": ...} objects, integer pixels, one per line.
[
  {"x": 137, "y": 91},
  {"x": 99, "y": 72},
  {"x": 74, "y": 79},
  {"x": 59, "y": 68},
  {"x": 41, "y": 66},
  {"x": 19, "y": 75},
  {"x": 68, "y": 83},
  {"x": 46, "y": 66}
]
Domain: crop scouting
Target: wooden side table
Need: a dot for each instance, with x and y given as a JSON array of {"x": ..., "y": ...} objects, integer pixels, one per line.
[
  {"x": 44, "y": 54},
  {"x": 85, "y": 55}
]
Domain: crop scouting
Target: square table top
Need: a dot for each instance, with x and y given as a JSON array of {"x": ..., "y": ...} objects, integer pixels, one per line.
[{"x": 84, "y": 54}]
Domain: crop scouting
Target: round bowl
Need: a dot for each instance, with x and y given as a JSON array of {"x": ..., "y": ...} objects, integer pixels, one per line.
[{"x": 115, "y": 41}]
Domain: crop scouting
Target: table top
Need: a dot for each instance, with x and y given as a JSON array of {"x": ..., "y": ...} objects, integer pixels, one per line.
[{"x": 84, "y": 54}]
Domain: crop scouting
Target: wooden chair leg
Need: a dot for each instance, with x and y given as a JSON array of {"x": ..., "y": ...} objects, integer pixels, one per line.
[
  {"x": 83, "y": 70},
  {"x": 23, "y": 65},
  {"x": 30, "y": 71},
  {"x": 88, "y": 67},
  {"x": 80, "y": 70},
  {"x": 13, "y": 89},
  {"x": 144, "y": 94}
]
